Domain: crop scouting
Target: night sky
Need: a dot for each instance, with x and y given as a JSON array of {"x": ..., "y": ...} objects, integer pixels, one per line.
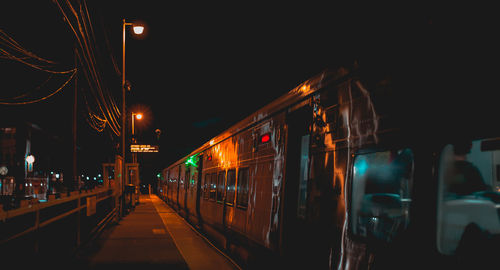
[{"x": 201, "y": 67}]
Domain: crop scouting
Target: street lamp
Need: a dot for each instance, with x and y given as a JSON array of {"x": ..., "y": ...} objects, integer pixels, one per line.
[
  {"x": 138, "y": 31},
  {"x": 30, "y": 160},
  {"x": 138, "y": 116}
]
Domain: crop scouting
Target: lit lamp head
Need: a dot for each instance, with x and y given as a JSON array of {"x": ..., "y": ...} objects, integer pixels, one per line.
[
  {"x": 138, "y": 116},
  {"x": 30, "y": 159},
  {"x": 138, "y": 29}
]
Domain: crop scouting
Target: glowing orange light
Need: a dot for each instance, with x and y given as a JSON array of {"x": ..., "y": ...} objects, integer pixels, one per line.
[
  {"x": 138, "y": 116},
  {"x": 138, "y": 29}
]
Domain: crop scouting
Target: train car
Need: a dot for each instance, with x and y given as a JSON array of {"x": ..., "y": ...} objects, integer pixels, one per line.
[{"x": 356, "y": 168}]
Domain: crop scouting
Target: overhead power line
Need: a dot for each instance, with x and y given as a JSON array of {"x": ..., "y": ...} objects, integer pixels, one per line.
[
  {"x": 78, "y": 20},
  {"x": 10, "y": 43},
  {"x": 13, "y": 102},
  {"x": 12, "y": 50}
]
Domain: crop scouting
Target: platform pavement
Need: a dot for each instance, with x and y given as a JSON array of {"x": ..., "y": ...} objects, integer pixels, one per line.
[{"x": 152, "y": 236}]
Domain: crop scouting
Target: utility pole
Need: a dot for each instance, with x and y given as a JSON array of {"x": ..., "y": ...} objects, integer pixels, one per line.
[{"x": 75, "y": 183}]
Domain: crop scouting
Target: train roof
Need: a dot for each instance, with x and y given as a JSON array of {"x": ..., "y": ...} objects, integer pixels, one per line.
[
  {"x": 426, "y": 100},
  {"x": 296, "y": 95}
]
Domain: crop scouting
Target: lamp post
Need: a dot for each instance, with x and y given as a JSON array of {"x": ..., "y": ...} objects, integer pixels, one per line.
[
  {"x": 30, "y": 160},
  {"x": 137, "y": 30}
]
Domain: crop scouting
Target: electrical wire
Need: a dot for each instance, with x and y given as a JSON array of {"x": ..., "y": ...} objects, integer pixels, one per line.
[
  {"x": 86, "y": 20},
  {"x": 110, "y": 50},
  {"x": 103, "y": 95},
  {"x": 12, "y": 57},
  {"x": 27, "y": 93},
  {"x": 98, "y": 125},
  {"x": 42, "y": 98},
  {"x": 25, "y": 58},
  {"x": 86, "y": 53},
  {"x": 9, "y": 43},
  {"x": 13, "y": 44},
  {"x": 103, "y": 100},
  {"x": 99, "y": 105}
]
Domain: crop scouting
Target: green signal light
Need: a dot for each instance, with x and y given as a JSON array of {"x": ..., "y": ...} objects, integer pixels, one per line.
[{"x": 191, "y": 161}]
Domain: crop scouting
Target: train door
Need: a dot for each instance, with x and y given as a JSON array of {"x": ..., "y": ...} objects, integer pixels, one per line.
[
  {"x": 187, "y": 185},
  {"x": 178, "y": 189},
  {"x": 168, "y": 186},
  {"x": 228, "y": 211},
  {"x": 199, "y": 190},
  {"x": 295, "y": 183},
  {"x": 183, "y": 187}
]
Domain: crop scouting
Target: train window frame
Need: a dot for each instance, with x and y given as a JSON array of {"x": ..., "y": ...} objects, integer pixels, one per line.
[
  {"x": 303, "y": 184},
  {"x": 221, "y": 187},
  {"x": 242, "y": 203},
  {"x": 367, "y": 175},
  {"x": 187, "y": 176},
  {"x": 181, "y": 184},
  {"x": 467, "y": 208},
  {"x": 229, "y": 201},
  {"x": 212, "y": 187},
  {"x": 206, "y": 190}
]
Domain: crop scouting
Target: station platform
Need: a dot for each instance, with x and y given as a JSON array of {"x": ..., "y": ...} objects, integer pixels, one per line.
[{"x": 153, "y": 236}]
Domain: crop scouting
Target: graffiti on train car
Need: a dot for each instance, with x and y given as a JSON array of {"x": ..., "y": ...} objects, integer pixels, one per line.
[{"x": 327, "y": 175}]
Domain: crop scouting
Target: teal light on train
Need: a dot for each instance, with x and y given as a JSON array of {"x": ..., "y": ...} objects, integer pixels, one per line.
[{"x": 360, "y": 166}]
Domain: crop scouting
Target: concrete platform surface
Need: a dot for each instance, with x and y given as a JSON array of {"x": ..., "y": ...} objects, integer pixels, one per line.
[{"x": 153, "y": 236}]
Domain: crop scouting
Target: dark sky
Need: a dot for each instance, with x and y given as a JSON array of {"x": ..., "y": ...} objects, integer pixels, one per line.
[{"x": 201, "y": 67}]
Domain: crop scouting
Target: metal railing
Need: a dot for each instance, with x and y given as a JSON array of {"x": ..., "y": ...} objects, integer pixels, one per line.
[{"x": 56, "y": 227}]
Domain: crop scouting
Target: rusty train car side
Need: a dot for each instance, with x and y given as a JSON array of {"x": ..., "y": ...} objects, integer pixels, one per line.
[
  {"x": 233, "y": 187},
  {"x": 339, "y": 173}
]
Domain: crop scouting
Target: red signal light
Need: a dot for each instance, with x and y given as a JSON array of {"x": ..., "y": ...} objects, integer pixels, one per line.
[{"x": 265, "y": 138}]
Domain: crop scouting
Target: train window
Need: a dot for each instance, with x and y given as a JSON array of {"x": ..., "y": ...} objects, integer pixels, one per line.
[
  {"x": 206, "y": 184},
  {"x": 181, "y": 183},
  {"x": 381, "y": 186},
  {"x": 329, "y": 97},
  {"x": 188, "y": 177},
  {"x": 468, "y": 196},
  {"x": 213, "y": 183},
  {"x": 303, "y": 176},
  {"x": 231, "y": 180},
  {"x": 221, "y": 179},
  {"x": 242, "y": 188}
]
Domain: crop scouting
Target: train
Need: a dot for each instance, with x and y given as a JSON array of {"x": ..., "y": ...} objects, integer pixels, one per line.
[{"x": 363, "y": 166}]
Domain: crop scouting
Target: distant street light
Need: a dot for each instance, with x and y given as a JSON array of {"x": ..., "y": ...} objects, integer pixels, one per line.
[
  {"x": 139, "y": 117},
  {"x": 30, "y": 159},
  {"x": 138, "y": 31}
]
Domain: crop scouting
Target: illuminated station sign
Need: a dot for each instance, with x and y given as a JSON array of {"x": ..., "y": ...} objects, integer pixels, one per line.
[{"x": 144, "y": 148}]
